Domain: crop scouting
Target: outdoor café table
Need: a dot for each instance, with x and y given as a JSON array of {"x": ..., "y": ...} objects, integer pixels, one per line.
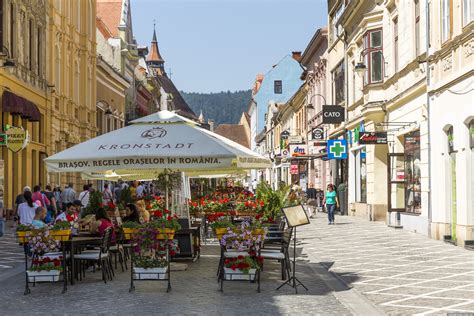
[{"x": 79, "y": 240}]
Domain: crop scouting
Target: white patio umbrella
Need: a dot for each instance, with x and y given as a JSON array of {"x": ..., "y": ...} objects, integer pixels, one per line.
[{"x": 152, "y": 144}]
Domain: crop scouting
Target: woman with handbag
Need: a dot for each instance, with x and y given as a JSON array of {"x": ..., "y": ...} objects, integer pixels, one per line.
[{"x": 332, "y": 202}]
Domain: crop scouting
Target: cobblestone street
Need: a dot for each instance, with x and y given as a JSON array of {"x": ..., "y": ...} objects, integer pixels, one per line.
[
  {"x": 386, "y": 271},
  {"x": 401, "y": 272}
]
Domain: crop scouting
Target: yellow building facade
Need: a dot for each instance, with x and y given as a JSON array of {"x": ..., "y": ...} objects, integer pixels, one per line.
[
  {"x": 72, "y": 72},
  {"x": 23, "y": 94}
]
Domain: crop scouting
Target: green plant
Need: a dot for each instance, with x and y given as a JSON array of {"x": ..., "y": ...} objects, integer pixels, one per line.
[
  {"x": 62, "y": 225},
  {"x": 243, "y": 264},
  {"x": 222, "y": 222},
  {"x": 133, "y": 225},
  {"x": 23, "y": 228},
  {"x": 167, "y": 180},
  {"x": 46, "y": 264},
  {"x": 125, "y": 197},
  {"x": 95, "y": 202},
  {"x": 274, "y": 200},
  {"x": 148, "y": 262}
]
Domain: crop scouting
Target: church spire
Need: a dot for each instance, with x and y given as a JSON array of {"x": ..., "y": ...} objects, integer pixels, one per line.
[{"x": 154, "y": 59}]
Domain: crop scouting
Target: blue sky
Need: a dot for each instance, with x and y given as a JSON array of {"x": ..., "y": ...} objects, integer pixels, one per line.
[{"x": 215, "y": 45}]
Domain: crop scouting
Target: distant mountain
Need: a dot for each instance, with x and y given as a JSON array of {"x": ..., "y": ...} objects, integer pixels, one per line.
[{"x": 222, "y": 107}]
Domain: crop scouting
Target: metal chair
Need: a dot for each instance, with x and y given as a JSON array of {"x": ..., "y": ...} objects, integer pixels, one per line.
[{"x": 281, "y": 255}]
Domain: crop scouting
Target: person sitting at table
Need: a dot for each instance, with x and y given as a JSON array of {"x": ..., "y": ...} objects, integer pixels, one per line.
[
  {"x": 103, "y": 222},
  {"x": 38, "y": 220},
  {"x": 70, "y": 214},
  {"x": 144, "y": 214},
  {"x": 133, "y": 214}
]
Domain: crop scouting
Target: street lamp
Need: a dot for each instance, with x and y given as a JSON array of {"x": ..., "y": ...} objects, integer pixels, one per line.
[
  {"x": 360, "y": 68},
  {"x": 310, "y": 105},
  {"x": 9, "y": 63}
]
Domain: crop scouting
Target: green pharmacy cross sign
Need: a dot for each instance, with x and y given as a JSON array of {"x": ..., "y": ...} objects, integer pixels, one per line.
[{"x": 337, "y": 149}]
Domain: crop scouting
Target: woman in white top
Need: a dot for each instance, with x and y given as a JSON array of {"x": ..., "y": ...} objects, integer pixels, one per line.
[{"x": 26, "y": 210}]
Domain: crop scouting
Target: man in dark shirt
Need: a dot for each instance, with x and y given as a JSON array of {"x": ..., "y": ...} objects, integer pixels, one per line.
[{"x": 20, "y": 198}]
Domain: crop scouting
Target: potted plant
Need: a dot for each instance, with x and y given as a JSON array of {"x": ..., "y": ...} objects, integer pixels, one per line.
[
  {"x": 22, "y": 231},
  {"x": 220, "y": 224},
  {"x": 259, "y": 224},
  {"x": 95, "y": 201},
  {"x": 165, "y": 223},
  {"x": 41, "y": 242},
  {"x": 242, "y": 267},
  {"x": 45, "y": 269},
  {"x": 149, "y": 268},
  {"x": 130, "y": 228},
  {"x": 240, "y": 238},
  {"x": 61, "y": 231}
]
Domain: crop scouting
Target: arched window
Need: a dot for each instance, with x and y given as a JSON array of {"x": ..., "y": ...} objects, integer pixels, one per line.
[{"x": 450, "y": 135}]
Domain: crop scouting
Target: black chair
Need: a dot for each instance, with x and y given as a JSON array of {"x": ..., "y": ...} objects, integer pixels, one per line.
[
  {"x": 281, "y": 255},
  {"x": 101, "y": 256},
  {"x": 118, "y": 250}
]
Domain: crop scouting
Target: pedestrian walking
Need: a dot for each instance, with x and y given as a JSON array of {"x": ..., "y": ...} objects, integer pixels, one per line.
[
  {"x": 27, "y": 209},
  {"x": 53, "y": 207},
  {"x": 107, "y": 194},
  {"x": 20, "y": 198},
  {"x": 84, "y": 196},
  {"x": 68, "y": 196},
  {"x": 118, "y": 191},
  {"x": 331, "y": 201},
  {"x": 312, "y": 202},
  {"x": 57, "y": 196}
]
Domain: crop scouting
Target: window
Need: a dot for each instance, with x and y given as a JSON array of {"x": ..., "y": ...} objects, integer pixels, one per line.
[
  {"x": 12, "y": 30},
  {"x": 450, "y": 135},
  {"x": 30, "y": 46},
  {"x": 395, "y": 44},
  {"x": 335, "y": 18},
  {"x": 446, "y": 20},
  {"x": 38, "y": 51},
  {"x": 374, "y": 57},
  {"x": 412, "y": 172},
  {"x": 360, "y": 176},
  {"x": 1, "y": 25},
  {"x": 468, "y": 11},
  {"x": 339, "y": 85},
  {"x": 471, "y": 134},
  {"x": 417, "y": 28},
  {"x": 278, "y": 87}
]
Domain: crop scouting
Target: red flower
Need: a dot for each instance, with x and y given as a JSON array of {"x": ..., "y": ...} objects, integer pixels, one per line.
[
  {"x": 258, "y": 216},
  {"x": 240, "y": 257},
  {"x": 169, "y": 218},
  {"x": 166, "y": 211},
  {"x": 158, "y": 214},
  {"x": 227, "y": 261}
]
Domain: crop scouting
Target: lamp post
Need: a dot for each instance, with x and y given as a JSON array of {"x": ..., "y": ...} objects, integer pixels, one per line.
[{"x": 9, "y": 63}]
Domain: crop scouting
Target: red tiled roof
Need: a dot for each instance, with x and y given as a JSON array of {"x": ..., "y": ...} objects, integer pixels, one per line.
[
  {"x": 110, "y": 11},
  {"x": 234, "y": 132},
  {"x": 103, "y": 28},
  {"x": 154, "y": 54}
]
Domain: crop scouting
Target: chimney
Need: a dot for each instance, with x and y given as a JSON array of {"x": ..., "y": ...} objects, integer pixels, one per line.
[
  {"x": 211, "y": 125},
  {"x": 296, "y": 56}
]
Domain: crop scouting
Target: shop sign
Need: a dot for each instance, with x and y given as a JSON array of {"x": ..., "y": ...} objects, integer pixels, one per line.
[
  {"x": 285, "y": 165},
  {"x": 17, "y": 138},
  {"x": 295, "y": 139},
  {"x": 285, "y": 153},
  {"x": 373, "y": 138},
  {"x": 333, "y": 114},
  {"x": 294, "y": 169},
  {"x": 3, "y": 139},
  {"x": 298, "y": 150},
  {"x": 337, "y": 149},
  {"x": 316, "y": 144},
  {"x": 317, "y": 133}
]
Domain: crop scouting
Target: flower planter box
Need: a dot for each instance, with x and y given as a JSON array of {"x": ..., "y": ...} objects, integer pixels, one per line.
[
  {"x": 43, "y": 276},
  {"x": 150, "y": 274},
  {"x": 165, "y": 234},
  {"x": 22, "y": 236},
  {"x": 220, "y": 231},
  {"x": 230, "y": 274},
  {"x": 128, "y": 232},
  {"x": 61, "y": 235},
  {"x": 258, "y": 231}
]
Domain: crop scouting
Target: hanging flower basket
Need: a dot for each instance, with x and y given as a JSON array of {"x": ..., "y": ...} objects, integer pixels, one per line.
[
  {"x": 22, "y": 236},
  {"x": 165, "y": 233},
  {"x": 150, "y": 273},
  {"x": 61, "y": 235},
  {"x": 230, "y": 274},
  {"x": 43, "y": 276}
]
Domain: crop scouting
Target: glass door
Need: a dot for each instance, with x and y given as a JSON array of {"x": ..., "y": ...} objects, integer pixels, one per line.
[{"x": 396, "y": 182}]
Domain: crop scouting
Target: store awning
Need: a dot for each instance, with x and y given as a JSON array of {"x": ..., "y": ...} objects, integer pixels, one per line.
[{"x": 17, "y": 105}]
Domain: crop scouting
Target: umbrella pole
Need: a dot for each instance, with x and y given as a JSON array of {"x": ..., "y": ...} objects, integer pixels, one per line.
[{"x": 166, "y": 190}]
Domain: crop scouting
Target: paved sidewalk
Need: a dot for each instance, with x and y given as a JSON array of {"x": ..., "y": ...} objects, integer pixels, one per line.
[
  {"x": 402, "y": 272},
  {"x": 194, "y": 292}
]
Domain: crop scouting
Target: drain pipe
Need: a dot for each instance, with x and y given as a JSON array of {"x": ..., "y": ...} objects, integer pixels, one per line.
[{"x": 428, "y": 73}]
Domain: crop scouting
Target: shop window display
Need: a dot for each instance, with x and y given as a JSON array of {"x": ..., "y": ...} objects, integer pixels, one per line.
[{"x": 412, "y": 172}]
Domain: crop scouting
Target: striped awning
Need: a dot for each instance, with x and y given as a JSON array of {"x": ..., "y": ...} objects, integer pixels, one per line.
[{"x": 17, "y": 105}]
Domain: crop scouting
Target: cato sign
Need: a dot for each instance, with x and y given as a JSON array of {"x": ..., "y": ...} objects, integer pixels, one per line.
[
  {"x": 337, "y": 149},
  {"x": 17, "y": 138}
]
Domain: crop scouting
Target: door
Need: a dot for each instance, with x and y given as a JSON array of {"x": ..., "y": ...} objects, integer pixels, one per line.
[{"x": 396, "y": 182}]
